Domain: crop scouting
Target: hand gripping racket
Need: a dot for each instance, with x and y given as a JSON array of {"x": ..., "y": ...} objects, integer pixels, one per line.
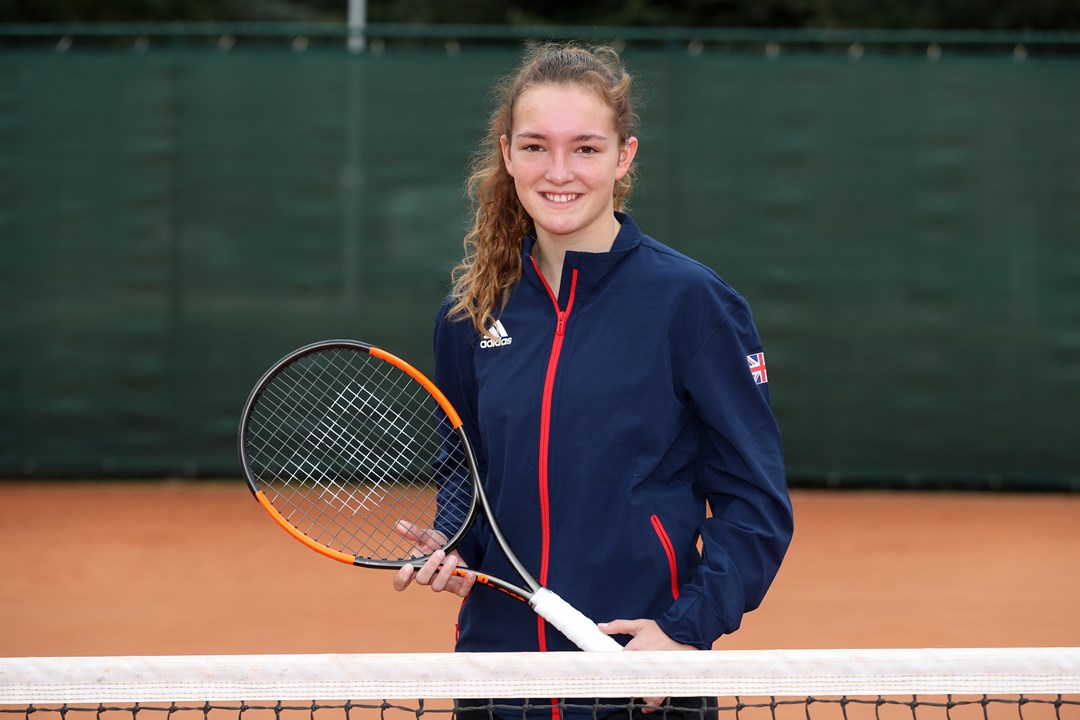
[{"x": 346, "y": 446}]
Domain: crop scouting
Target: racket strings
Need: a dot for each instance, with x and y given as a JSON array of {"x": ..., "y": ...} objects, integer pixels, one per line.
[
  {"x": 346, "y": 445},
  {"x": 332, "y": 433},
  {"x": 341, "y": 499},
  {"x": 295, "y": 412}
]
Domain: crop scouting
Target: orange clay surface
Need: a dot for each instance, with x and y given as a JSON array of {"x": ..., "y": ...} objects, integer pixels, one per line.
[{"x": 199, "y": 568}]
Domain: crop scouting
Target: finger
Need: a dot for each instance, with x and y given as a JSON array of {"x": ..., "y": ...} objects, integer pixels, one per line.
[
  {"x": 404, "y": 577},
  {"x": 411, "y": 531},
  {"x": 466, "y": 585},
  {"x": 430, "y": 568},
  {"x": 621, "y": 627},
  {"x": 431, "y": 540},
  {"x": 445, "y": 574},
  {"x": 655, "y": 704}
]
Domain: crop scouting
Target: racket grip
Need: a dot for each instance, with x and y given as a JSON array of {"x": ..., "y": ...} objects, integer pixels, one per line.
[{"x": 571, "y": 622}]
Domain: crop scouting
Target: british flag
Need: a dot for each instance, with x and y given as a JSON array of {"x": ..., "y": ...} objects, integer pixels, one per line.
[{"x": 757, "y": 367}]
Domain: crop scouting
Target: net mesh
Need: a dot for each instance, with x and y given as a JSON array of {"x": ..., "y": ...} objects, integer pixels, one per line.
[
  {"x": 1028, "y": 684},
  {"x": 345, "y": 446}
]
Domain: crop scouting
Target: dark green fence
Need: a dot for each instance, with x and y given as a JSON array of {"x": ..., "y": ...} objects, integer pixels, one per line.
[{"x": 905, "y": 221}]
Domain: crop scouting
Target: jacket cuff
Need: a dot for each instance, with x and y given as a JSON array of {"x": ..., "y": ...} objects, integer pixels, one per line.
[{"x": 691, "y": 620}]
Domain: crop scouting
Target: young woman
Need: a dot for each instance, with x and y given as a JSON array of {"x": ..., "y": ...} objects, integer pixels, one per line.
[{"x": 615, "y": 390}]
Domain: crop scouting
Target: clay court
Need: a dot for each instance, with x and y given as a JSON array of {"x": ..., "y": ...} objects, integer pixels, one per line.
[{"x": 198, "y": 568}]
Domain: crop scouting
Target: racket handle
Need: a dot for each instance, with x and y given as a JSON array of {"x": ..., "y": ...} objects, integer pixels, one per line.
[{"x": 571, "y": 622}]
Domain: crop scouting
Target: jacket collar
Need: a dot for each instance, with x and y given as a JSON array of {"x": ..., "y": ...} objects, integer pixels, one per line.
[{"x": 592, "y": 267}]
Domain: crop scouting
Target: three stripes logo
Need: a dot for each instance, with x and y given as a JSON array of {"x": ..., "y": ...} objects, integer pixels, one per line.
[{"x": 501, "y": 336}]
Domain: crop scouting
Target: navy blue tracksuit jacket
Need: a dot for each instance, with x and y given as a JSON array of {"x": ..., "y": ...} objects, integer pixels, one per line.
[{"x": 605, "y": 421}]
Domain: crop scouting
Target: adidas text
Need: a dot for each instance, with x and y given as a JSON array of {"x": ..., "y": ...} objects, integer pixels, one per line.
[{"x": 501, "y": 336}]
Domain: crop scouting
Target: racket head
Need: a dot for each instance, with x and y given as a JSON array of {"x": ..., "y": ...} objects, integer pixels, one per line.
[{"x": 341, "y": 441}]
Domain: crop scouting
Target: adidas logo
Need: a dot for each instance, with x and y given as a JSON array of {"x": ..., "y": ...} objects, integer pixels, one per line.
[{"x": 498, "y": 330}]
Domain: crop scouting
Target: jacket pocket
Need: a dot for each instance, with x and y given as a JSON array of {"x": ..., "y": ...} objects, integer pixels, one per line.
[{"x": 669, "y": 550}]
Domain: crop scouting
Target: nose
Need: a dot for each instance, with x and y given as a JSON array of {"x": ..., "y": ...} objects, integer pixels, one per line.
[{"x": 558, "y": 169}]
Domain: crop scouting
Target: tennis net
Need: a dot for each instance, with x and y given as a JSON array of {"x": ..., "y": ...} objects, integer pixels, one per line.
[{"x": 925, "y": 684}]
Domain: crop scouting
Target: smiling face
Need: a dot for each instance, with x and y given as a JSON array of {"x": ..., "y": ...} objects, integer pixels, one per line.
[{"x": 565, "y": 156}]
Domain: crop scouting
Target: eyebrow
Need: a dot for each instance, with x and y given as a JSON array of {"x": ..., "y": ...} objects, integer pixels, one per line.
[{"x": 584, "y": 137}]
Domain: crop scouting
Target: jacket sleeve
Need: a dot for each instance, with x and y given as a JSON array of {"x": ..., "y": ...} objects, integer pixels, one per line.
[
  {"x": 456, "y": 378},
  {"x": 741, "y": 472}
]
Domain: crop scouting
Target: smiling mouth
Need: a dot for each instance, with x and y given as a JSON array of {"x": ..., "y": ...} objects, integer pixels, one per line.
[{"x": 560, "y": 197}]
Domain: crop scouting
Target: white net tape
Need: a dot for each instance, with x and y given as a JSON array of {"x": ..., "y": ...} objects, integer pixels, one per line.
[{"x": 25, "y": 681}]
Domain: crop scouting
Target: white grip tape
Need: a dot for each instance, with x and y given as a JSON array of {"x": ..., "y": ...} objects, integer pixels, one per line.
[{"x": 572, "y": 623}]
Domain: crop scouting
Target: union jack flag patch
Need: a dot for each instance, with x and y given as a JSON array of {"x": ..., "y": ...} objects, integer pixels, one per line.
[{"x": 757, "y": 367}]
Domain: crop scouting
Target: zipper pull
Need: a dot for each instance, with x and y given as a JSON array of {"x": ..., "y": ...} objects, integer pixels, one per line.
[{"x": 560, "y": 328}]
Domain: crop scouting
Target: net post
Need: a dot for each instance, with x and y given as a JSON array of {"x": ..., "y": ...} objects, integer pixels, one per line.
[{"x": 357, "y": 25}]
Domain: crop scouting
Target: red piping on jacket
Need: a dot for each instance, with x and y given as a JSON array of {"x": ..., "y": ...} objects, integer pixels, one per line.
[
  {"x": 545, "y": 433},
  {"x": 669, "y": 550}
]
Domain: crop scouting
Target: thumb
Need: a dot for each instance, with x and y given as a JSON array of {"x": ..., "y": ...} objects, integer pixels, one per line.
[{"x": 426, "y": 540}]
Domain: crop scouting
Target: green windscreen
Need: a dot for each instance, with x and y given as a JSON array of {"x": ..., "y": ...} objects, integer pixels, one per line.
[{"x": 906, "y": 229}]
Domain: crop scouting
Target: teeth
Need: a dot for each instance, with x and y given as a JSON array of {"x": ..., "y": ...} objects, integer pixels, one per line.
[{"x": 564, "y": 198}]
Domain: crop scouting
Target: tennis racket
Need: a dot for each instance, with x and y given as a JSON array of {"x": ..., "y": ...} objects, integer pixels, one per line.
[{"x": 354, "y": 453}]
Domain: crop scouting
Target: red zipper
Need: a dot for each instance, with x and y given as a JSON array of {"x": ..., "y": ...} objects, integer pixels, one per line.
[
  {"x": 545, "y": 433},
  {"x": 669, "y": 550},
  {"x": 545, "y": 439}
]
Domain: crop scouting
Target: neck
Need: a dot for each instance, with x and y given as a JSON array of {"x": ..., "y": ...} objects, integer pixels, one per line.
[
  {"x": 550, "y": 264},
  {"x": 550, "y": 250}
]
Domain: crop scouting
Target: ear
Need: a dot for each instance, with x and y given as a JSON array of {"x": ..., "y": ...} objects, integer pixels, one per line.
[
  {"x": 504, "y": 144},
  {"x": 626, "y": 157}
]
